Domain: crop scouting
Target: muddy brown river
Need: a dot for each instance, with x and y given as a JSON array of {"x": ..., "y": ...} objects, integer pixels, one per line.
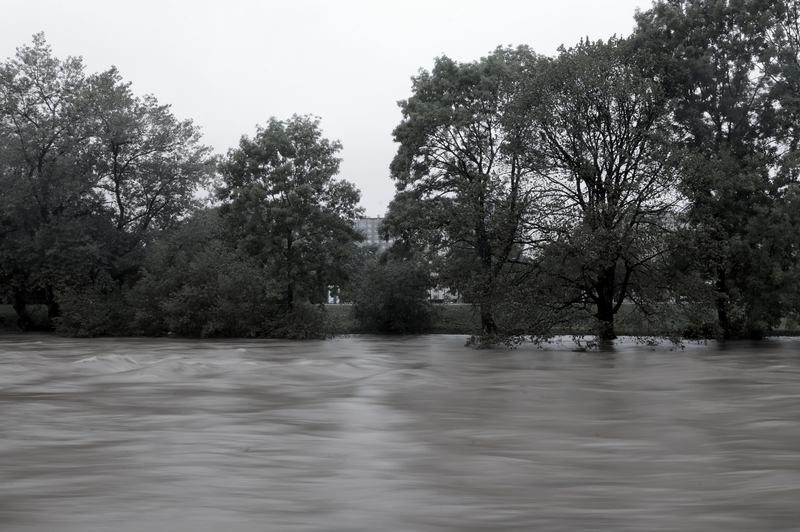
[{"x": 396, "y": 434}]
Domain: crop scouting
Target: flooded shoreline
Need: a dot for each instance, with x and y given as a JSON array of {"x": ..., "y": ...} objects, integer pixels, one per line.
[{"x": 411, "y": 433}]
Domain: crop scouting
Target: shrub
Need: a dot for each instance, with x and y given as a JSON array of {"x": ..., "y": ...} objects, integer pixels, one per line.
[
  {"x": 100, "y": 309},
  {"x": 392, "y": 297},
  {"x": 204, "y": 291}
]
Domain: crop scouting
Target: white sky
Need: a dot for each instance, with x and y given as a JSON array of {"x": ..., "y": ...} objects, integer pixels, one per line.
[{"x": 229, "y": 66}]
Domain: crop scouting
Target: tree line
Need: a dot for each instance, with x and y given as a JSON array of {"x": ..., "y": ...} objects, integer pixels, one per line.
[
  {"x": 102, "y": 221},
  {"x": 653, "y": 177}
]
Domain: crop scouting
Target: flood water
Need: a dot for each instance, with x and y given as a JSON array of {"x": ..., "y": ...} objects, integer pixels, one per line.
[{"x": 396, "y": 434}]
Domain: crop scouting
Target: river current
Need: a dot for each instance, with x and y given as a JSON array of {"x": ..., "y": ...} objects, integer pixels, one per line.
[{"x": 418, "y": 434}]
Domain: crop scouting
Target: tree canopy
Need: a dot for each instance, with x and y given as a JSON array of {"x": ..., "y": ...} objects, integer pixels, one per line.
[
  {"x": 656, "y": 174},
  {"x": 646, "y": 184},
  {"x": 599, "y": 140},
  {"x": 731, "y": 69},
  {"x": 87, "y": 172},
  {"x": 287, "y": 211},
  {"x": 462, "y": 188}
]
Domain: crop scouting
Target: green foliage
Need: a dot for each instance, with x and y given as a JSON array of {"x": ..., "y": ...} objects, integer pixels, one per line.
[
  {"x": 287, "y": 212},
  {"x": 392, "y": 297},
  {"x": 195, "y": 284},
  {"x": 656, "y": 174},
  {"x": 646, "y": 186},
  {"x": 99, "y": 309},
  {"x": 462, "y": 190},
  {"x": 87, "y": 171},
  {"x": 731, "y": 68},
  {"x": 353, "y": 267},
  {"x": 607, "y": 196}
]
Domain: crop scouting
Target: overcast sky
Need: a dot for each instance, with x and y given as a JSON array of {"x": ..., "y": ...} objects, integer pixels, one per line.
[{"x": 229, "y": 66}]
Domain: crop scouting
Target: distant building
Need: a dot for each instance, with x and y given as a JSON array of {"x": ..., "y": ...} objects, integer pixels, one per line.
[
  {"x": 369, "y": 227},
  {"x": 443, "y": 295}
]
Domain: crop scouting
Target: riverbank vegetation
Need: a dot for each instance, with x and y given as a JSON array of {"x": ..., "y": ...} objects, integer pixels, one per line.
[{"x": 645, "y": 185}]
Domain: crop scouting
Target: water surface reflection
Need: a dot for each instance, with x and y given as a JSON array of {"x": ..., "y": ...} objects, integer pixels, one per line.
[{"x": 404, "y": 434}]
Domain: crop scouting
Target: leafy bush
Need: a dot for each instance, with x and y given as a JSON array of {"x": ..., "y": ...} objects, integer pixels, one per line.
[
  {"x": 97, "y": 310},
  {"x": 195, "y": 284},
  {"x": 392, "y": 298}
]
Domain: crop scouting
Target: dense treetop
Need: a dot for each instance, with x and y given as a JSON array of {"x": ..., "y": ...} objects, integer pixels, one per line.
[{"x": 642, "y": 185}]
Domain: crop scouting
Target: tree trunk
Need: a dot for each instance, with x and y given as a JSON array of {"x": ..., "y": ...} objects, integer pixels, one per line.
[
  {"x": 23, "y": 319},
  {"x": 722, "y": 310},
  {"x": 484, "y": 249},
  {"x": 605, "y": 304},
  {"x": 289, "y": 264},
  {"x": 289, "y": 296},
  {"x": 488, "y": 325},
  {"x": 53, "y": 308}
]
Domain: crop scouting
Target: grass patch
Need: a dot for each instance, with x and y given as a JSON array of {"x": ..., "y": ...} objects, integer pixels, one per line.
[
  {"x": 342, "y": 318},
  {"x": 456, "y": 319},
  {"x": 450, "y": 319}
]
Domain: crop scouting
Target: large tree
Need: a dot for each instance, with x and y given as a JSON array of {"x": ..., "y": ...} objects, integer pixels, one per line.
[
  {"x": 147, "y": 164},
  {"x": 731, "y": 69},
  {"x": 45, "y": 169},
  {"x": 87, "y": 170},
  {"x": 598, "y": 135},
  {"x": 462, "y": 192},
  {"x": 289, "y": 213}
]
